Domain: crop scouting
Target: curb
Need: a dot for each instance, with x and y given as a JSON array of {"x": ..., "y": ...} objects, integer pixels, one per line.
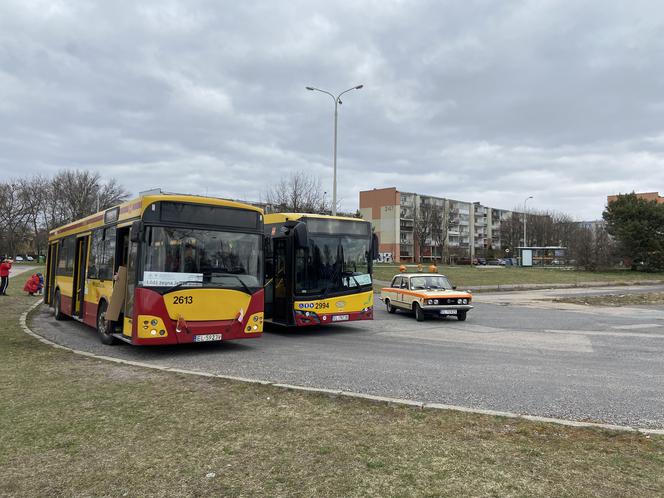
[{"x": 333, "y": 392}]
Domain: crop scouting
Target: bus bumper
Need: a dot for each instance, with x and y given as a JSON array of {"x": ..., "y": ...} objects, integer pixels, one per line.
[{"x": 309, "y": 318}]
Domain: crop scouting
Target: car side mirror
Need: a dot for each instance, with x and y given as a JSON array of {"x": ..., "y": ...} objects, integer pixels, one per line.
[
  {"x": 136, "y": 231},
  {"x": 374, "y": 247},
  {"x": 454, "y": 287}
]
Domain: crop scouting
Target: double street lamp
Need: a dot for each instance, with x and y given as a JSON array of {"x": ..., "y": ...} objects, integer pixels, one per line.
[{"x": 337, "y": 101}]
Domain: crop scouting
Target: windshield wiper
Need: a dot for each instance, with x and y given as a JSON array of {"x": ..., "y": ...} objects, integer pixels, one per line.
[
  {"x": 350, "y": 274},
  {"x": 226, "y": 274}
]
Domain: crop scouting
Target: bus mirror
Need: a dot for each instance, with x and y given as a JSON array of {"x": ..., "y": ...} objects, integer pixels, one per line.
[
  {"x": 301, "y": 236},
  {"x": 136, "y": 231},
  {"x": 299, "y": 232},
  {"x": 374, "y": 247}
]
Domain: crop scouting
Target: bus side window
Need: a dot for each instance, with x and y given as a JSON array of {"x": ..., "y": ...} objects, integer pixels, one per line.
[
  {"x": 96, "y": 251},
  {"x": 106, "y": 258}
]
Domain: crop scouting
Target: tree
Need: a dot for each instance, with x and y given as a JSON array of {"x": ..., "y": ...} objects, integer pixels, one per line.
[
  {"x": 441, "y": 220},
  {"x": 427, "y": 221},
  {"x": 592, "y": 248},
  {"x": 75, "y": 194},
  {"x": 638, "y": 227},
  {"x": 298, "y": 193},
  {"x": 13, "y": 218}
]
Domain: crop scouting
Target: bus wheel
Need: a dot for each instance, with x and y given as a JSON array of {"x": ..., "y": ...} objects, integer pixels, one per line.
[
  {"x": 419, "y": 313},
  {"x": 57, "y": 306},
  {"x": 104, "y": 327},
  {"x": 390, "y": 308},
  {"x": 461, "y": 315}
]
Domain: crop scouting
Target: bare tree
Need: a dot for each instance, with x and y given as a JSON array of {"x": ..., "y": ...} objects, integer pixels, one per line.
[
  {"x": 34, "y": 195},
  {"x": 13, "y": 218},
  {"x": 75, "y": 194},
  {"x": 298, "y": 193},
  {"x": 426, "y": 219},
  {"x": 592, "y": 248},
  {"x": 441, "y": 220}
]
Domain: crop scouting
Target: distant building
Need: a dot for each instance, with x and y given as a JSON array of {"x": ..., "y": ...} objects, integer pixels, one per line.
[
  {"x": 472, "y": 227},
  {"x": 648, "y": 196}
]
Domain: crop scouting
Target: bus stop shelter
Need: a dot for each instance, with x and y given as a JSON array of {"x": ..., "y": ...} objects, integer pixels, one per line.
[{"x": 542, "y": 256}]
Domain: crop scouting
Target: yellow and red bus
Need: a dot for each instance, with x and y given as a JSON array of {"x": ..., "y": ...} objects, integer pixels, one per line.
[
  {"x": 318, "y": 269},
  {"x": 161, "y": 269}
]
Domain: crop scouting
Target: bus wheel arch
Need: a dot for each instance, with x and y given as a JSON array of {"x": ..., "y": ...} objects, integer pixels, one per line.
[{"x": 104, "y": 327}]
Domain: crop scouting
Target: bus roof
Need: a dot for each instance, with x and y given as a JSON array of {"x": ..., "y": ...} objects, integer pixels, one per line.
[
  {"x": 134, "y": 208},
  {"x": 283, "y": 217}
]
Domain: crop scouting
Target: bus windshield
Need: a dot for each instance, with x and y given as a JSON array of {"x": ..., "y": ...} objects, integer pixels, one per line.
[
  {"x": 332, "y": 263},
  {"x": 202, "y": 258}
]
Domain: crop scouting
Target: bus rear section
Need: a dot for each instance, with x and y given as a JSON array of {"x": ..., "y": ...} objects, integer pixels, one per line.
[
  {"x": 180, "y": 269},
  {"x": 318, "y": 269}
]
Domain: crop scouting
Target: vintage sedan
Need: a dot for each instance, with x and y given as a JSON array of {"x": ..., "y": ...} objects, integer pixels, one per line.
[{"x": 426, "y": 294}]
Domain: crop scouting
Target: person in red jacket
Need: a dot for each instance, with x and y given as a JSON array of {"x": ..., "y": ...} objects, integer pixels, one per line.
[
  {"x": 32, "y": 285},
  {"x": 5, "y": 266}
]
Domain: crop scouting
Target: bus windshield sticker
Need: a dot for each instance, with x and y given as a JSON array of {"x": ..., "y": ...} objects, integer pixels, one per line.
[
  {"x": 168, "y": 279},
  {"x": 355, "y": 280}
]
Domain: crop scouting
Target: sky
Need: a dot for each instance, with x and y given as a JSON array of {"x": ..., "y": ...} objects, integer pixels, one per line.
[{"x": 476, "y": 100}]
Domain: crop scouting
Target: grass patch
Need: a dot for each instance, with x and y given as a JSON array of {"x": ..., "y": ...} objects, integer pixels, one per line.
[
  {"x": 616, "y": 299},
  {"x": 468, "y": 276},
  {"x": 71, "y": 425}
]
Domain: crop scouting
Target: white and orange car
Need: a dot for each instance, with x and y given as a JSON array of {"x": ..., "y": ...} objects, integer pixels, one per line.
[{"x": 426, "y": 294}]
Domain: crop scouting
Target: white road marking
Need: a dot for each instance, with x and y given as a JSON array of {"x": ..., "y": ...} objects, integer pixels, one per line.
[{"x": 637, "y": 326}]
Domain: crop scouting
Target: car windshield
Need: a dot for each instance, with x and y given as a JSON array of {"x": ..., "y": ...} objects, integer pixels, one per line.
[
  {"x": 430, "y": 282},
  {"x": 332, "y": 263},
  {"x": 202, "y": 258}
]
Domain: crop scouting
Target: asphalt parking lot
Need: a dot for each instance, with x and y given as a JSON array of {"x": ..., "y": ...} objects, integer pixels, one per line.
[{"x": 516, "y": 352}]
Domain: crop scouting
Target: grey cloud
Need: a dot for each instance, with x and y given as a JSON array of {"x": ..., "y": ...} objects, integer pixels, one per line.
[{"x": 480, "y": 101}]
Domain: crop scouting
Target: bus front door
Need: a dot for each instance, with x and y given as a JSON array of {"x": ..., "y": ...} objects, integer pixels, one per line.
[
  {"x": 282, "y": 311},
  {"x": 52, "y": 265},
  {"x": 80, "y": 264}
]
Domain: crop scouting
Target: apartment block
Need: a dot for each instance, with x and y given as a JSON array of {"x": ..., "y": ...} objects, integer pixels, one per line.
[
  {"x": 472, "y": 228},
  {"x": 647, "y": 196}
]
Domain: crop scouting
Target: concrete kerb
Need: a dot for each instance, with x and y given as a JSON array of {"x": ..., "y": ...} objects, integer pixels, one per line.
[{"x": 332, "y": 392}]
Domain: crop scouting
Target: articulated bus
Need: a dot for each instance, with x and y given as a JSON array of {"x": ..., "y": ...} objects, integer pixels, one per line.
[
  {"x": 161, "y": 269},
  {"x": 318, "y": 269}
]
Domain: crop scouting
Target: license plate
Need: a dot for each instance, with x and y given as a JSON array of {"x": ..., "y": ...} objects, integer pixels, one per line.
[
  {"x": 448, "y": 312},
  {"x": 207, "y": 337},
  {"x": 339, "y": 318}
]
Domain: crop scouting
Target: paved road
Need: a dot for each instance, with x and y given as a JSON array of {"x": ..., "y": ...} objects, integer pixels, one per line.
[{"x": 513, "y": 353}]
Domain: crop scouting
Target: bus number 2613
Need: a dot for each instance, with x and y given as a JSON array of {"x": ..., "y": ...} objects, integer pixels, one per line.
[{"x": 183, "y": 300}]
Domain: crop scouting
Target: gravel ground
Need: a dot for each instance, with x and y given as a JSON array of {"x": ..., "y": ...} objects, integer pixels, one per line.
[{"x": 513, "y": 354}]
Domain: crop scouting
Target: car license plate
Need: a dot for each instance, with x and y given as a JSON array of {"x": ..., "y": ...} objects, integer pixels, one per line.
[
  {"x": 339, "y": 318},
  {"x": 207, "y": 337},
  {"x": 448, "y": 312}
]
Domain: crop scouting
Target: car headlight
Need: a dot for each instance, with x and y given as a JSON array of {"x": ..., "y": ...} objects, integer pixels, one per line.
[
  {"x": 429, "y": 301},
  {"x": 465, "y": 301},
  {"x": 435, "y": 301}
]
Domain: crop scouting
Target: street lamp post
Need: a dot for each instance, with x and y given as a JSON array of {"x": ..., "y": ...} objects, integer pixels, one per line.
[
  {"x": 337, "y": 101},
  {"x": 525, "y": 220}
]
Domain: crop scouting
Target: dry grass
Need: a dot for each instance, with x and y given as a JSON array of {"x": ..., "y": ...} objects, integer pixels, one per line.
[
  {"x": 646, "y": 298},
  {"x": 468, "y": 276},
  {"x": 75, "y": 426}
]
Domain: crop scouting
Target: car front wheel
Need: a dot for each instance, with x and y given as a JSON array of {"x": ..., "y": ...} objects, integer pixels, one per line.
[
  {"x": 461, "y": 315},
  {"x": 419, "y": 313},
  {"x": 389, "y": 307}
]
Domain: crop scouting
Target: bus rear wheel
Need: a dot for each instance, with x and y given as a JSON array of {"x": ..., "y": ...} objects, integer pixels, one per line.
[
  {"x": 57, "y": 306},
  {"x": 104, "y": 327}
]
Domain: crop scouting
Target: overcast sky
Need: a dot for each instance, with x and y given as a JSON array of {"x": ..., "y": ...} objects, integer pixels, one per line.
[{"x": 488, "y": 101}]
